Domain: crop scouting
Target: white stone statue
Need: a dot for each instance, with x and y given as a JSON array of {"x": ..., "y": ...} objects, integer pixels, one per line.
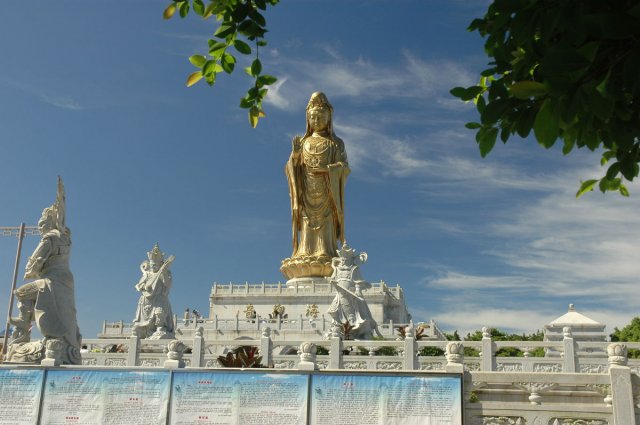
[
  {"x": 50, "y": 298},
  {"x": 154, "y": 318},
  {"x": 349, "y": 306}
]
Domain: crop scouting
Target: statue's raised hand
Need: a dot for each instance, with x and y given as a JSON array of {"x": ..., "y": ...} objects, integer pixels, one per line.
[{"x": 296, "y": 144}]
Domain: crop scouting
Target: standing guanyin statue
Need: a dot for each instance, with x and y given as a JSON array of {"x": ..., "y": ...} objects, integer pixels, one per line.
[{"x": 317, "y": 171}]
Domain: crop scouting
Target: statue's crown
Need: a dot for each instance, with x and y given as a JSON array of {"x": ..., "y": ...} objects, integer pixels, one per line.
[
  {"x": 346, "y": 251},
  {"x": 319, "y": 99},
  {"x": 156, "y": 255}
]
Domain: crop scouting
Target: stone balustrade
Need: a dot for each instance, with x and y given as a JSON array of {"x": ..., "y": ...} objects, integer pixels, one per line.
[
  {"x": 295, "y": 288},
  {"x": 241, "y": 324},
  {"x": 574, "y": 388}
]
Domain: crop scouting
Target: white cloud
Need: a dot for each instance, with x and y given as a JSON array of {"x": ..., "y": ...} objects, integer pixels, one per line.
[
  {"x": 363, "y": 79},
  {"x": 57, "y": 100},
  {"x": 64, "y": 102}
]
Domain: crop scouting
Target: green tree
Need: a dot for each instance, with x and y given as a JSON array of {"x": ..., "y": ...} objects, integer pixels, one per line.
[
  {"x": 566, "y": 70},
  {"x": 498, "y": 335},
  {"x": 239, "y": 23},
  {"x": 630, "y": 333}
]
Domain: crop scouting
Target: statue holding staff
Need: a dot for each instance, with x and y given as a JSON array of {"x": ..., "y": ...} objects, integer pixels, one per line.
[{"x": 50, "y": 298}]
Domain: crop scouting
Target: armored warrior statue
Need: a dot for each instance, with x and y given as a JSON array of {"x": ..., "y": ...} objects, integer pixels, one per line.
[
  {"x": 50, "y": 298},
  {"x": 349, "y": 306},
  {"x": 154, "y": 319},
  {"x": 317, "y": 171}
]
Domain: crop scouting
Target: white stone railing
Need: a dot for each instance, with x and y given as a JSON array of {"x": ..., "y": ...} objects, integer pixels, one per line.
[
  {"x": 497, "y": 390},
  {"x": 295, "y": 288},
  {"x": 240, "y": 324},
  {"x": 370, "y": 355}
]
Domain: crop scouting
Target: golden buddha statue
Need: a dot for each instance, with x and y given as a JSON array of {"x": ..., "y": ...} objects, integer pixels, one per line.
[{"x": 317, "y": 171}]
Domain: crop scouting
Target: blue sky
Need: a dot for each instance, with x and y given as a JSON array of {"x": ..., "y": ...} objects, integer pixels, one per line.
[{"x": 95, "y": 91}]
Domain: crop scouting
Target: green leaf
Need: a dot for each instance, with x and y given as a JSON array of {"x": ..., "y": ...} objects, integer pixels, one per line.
[
  {"x": 262, "y": 43},
  {"x": 246, "y": 103},
  {"x": 209, "y": 67},
  {"x": 623, "y": 190},
  {"x": 184, "y": 9},
  {"x": 228, "y": 62},
  {"x": 527, "y": 89},
  {"x": 613, "y": 170},
  {"x": 242, "y": 47},
  {"x": 198, "y": 7},
  {"x": 266, "y": 80},
  {"x": 487, "y": 140},
  {"x": 214, "y": 8},
  {"x": 225, "y": 30},
  {"x": 169, "y": 11},
  {"x": 261, "y": 4},
  {"x": 562, "y": 60},
  {"x": 256, "y": 67},
  {"x": 197, "y": 60},
  {"x": 473, "y": 125},
  {"x": 586, "y": 187},
  {"x": 606, "y": 156},
  {"x": 194, "y": 78},
  {"x": 217, "y": 49},
  {"x": 628, "y": 168},
  {"x": 524, "y": 122},
  {"x": 609, "y": 184},
  {"x": 257, "y": 18},
  {"x": 494, "y": 111},
  {"x": 254, "y": 115},
  {"x": 546, "y": 125},
  {"x": 458, "y": 92}
]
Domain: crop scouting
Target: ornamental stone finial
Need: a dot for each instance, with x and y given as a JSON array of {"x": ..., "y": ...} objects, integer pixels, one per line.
[
  {"x": 617, "y": 354},
  {"x": 566, "y": 332},
  {"x": 455, "y": 352},
  {"x": 307, "y": 352}
]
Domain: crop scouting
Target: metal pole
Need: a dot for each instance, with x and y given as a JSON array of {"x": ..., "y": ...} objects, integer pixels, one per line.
[{"x": 13, "y": 287}]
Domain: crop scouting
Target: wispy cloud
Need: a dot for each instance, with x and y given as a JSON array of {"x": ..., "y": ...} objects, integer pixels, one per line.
[
  {"x": 551, "y": 247},
  {"x": 57, "y": 100},
  {"x": 64, "y": 102},
  {"x": 364, "y": 79}
]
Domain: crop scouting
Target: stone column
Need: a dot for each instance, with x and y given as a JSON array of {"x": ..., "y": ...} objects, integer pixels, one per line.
[
  {"x": 621, "y": 388},
  {"x": 198, "y": 348},
  {"x": 569, "y": 351},
  {"x": 410, "y": 348},
  {"x": 266, "y": 347},
  {"x": 133, "y": 356},
  {"x": 335, "y": 353},
  {"x": 488, "y": 359}
]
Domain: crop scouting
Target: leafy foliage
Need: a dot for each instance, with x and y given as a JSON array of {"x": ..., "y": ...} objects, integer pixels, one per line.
[
  {"x": 382, "y": 351},
  {"x": 498, "y": 335},
  {"x": 402, "y": 332},
  {"x": 630, "y": 333},
  {"x": 566, "y": 70},
  {"x": 240, "y": 22},
  {"x": 245, "y": 357}
]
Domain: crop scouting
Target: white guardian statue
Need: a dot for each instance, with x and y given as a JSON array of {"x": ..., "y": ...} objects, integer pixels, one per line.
[
  {"x": 349, "y": 311},
  {"x": 154, "y": 318},
  {"x": 49, "y": 299}
]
